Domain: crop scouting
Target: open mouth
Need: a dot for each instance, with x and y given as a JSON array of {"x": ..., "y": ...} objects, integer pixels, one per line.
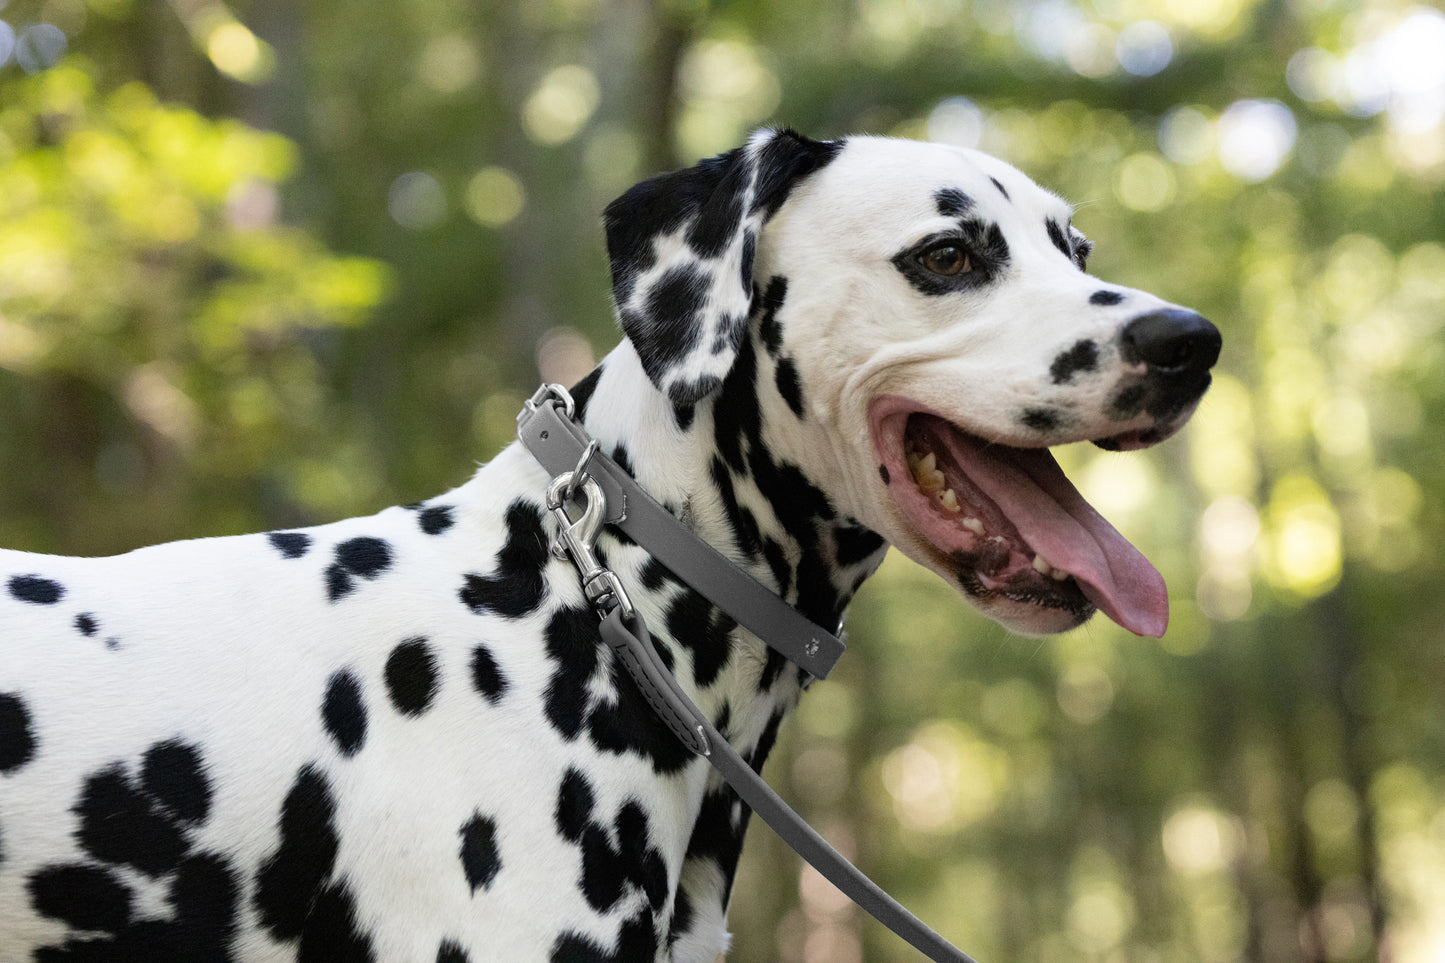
[{"x": 1007, "y": 524}]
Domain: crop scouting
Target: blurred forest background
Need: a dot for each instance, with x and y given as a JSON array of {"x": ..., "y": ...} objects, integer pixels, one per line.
[{"x": 273, "y": 263}]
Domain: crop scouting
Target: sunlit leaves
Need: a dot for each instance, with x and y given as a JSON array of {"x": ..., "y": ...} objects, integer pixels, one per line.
[{"x": 142, "y": 259}]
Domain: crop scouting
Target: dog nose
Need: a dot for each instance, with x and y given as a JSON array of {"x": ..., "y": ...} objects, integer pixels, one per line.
[{"x": 1173, "y": 342}]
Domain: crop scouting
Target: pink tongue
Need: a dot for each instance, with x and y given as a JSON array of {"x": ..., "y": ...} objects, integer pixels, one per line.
[{"x": 1031, "y": 489}]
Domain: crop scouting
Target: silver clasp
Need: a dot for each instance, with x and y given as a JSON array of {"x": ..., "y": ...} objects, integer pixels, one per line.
[{"x": 577, "y": 538}]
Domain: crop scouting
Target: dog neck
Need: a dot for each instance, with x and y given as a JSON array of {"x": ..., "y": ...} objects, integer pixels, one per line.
[{"x": 718, "y": 468}]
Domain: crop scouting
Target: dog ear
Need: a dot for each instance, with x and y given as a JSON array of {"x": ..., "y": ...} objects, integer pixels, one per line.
[{"x": 681, "y": 247}]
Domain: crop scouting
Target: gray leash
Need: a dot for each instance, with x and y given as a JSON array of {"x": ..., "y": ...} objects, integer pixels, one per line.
[{"x": 547, "y": 429}]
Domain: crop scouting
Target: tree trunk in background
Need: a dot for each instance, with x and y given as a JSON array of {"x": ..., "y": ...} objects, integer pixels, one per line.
[
  {"x": 657, "y": 99},
  {"x": 1344, "y": 664}
]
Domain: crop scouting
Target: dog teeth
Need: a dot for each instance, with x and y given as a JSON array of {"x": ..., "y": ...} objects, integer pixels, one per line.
[
  {"x": 973, "y": 525},
  {"x": 1042, "y": 566},
  {"x": 926, "y": 473},
  {"x": 949, "y": 501}
]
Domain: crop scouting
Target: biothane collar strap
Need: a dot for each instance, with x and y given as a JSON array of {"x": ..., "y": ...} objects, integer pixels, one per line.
[{"x": 547, "y": 430}]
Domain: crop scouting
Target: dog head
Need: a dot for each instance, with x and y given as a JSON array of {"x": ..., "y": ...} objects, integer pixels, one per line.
[{"x": 925, "y": 317}]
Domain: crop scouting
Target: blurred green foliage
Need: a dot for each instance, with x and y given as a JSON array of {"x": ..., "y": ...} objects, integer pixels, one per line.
[{"x": 271, "y": 263}]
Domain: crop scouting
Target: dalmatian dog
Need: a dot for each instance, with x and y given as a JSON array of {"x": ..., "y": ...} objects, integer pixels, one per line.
[{"x": 399, "y": 738}]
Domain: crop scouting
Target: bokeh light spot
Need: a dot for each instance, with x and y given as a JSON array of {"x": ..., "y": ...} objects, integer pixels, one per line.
[
  {"x": 7, "y": 42},
  {"x": 1144, "y": 182},
  {"x": 416, "y": 201},
  {"x": 1255, "y": 137},
  {"x": 1186, "y": 135},
  {"x": 39, "y": 47},
  {"x": 1085, "y": 692},
  {"x": 238, "y": 52},
  {"x": 957, "y": 121},
  {"x": 449, "y": 64},
  {"x": 1199, "y": 840},
  {"x": 495, "y": 197},
  {"x": 561, "y": 105},
  {"x": 1144, "y": 48}
]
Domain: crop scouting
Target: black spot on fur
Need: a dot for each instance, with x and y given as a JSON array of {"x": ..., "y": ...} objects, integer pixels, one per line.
[
  {"x": 856, "y": 544},
  {"x": 517, "y": 586},
  {"x": 202, "y": 897},
  {"x": 683, "y": 414},
  {"x": 290, "y": 544},
  {"x": 750, "y": 248},
  {"x": 883, "y": 474},
  {"x": 716, "y": 836},
  {"x": 637, "y": 940},
  {"x": 1058, "y": 238},
  {"x": 783, "y": 162},
  {"x": 411, "y": 676},
  {"x": 1105, "y": 297},
  {"x": 777, "y": 558},
  {"x": 338, "y": 582},
  {"x": 583, "y": 390},
  {"x": 436, "y": 519},
  {"x": 85, "y": 897},
  {"x": 745, "y": 525},
  {"x": 630, "y": 725},
  {"x": 86, "y": 625},
  {"x": 607, "y": 870},
  {"x": 343, "y": 712},
  {"x": 1040, "y": 419},
  {"x": 145, "y": 825},
  {"x": 120, "y": 824},
  {"x": 952, "y": 202},
  {"x": 772, "y": 669},
  {"x": 769, "y": 329},
  {"x": 452, "y": 952},
  {"x": 669, "y": 327},
  {"x": 789, "y": 386},
  {"x": 1000, "y": 187},
  {"x": 37, "y": 590},
  {"x": 682, "y": 915},
  {"x": 171, "y": 772},
  {"x": 480, "y": 859},
  {"x": 292, "y": 877},
  {"x": 1083, "y": 356},
  {"x": 602, "y": 878},
  {"x": 575, "y": 800},
  {"x": 623, "y": 459},
  {"x": 766, "y": 741},
  {"x": 364, "y": 556},
  {"x": 17, "y": 740},
  {"x": 331, "y": 933},
  {"x": 487, "y": 676},
  {"x": 572, "y": 640},
  {"x": 694, "y": 622},
  {"x": 642, "y": 863}
]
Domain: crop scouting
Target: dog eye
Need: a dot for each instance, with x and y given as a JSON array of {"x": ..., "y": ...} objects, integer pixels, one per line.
[{"x": 946, "y": 259}]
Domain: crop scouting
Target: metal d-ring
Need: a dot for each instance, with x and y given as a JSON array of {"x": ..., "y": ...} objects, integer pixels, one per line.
[{"x": 569, "y": 407}]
